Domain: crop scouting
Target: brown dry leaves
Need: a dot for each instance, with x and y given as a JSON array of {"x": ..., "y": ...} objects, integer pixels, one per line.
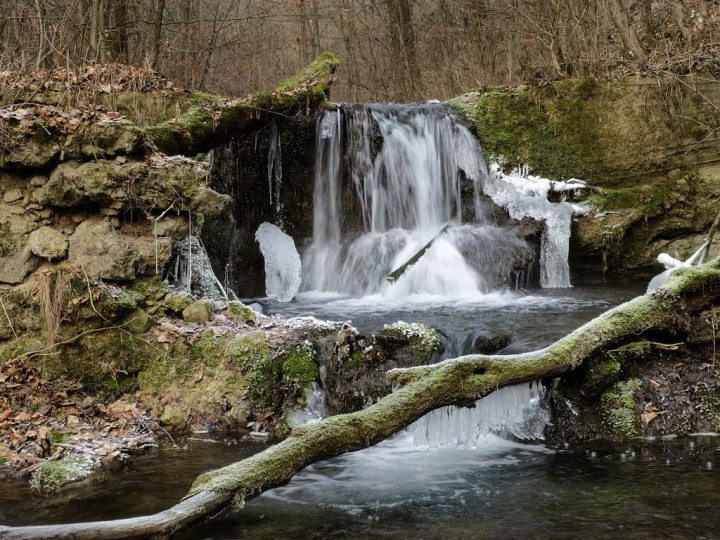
[
  {"x": 104, "y": 78},
  {"x": 33, "y": 411}
]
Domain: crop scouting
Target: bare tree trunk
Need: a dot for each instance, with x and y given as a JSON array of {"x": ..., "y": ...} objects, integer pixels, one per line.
[
  {"x": 3, "y": 25},
  {"x": 404, "y": 40},
  {"x": 678, "y": 11},
  {"x": 648, "y": 22},
  {"x": 157, "y": 33},
  {"x": 627, "y": 32},
  {"x": 98, "y": 12},
  {"x": 119, "y": 39},
  {"x": 316, "y": 27},
  {"x": 348, "y": 28},
  {"x": 42, "y": 46}
]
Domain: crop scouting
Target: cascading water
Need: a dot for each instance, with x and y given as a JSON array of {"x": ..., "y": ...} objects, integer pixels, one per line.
[
  {"x": 409, "y": 167},
  {"x": 413, "y": 170}
]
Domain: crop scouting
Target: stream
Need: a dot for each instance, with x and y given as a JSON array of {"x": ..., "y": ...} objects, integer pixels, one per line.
[
  {"x": 499, "y": 489},
  {"x": 405, "y": 488}
]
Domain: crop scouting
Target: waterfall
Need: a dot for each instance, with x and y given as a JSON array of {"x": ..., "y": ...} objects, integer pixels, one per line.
[
  {"x": 525, "y": 195},
  {"x": 388, "y": 178}
]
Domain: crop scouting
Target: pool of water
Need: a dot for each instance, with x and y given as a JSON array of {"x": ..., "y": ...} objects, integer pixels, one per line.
[
  {"x": 497, "y": 489},
  {"x": 532, "y": 319},
  {"x": 492, "y": 488}
]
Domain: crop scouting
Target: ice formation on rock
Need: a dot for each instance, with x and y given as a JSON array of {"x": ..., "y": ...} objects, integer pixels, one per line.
[{"x": 282, "y": 262}]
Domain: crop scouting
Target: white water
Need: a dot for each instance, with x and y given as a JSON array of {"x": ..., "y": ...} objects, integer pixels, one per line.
[
  {"x": 314, "y": 409},
  {"x": 406, "y": 191},
  {"x": 427, "y": 171},
  {"x": 282, "y": 262}
]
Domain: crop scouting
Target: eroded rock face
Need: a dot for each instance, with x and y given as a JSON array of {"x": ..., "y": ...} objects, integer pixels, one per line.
[
  {"x": 356, "y": 365},
  {"x": 157, "y": 183},
  {"x": 117, "y": 218},
  {"x": 652, "y": 163},
  {"x": 45, "y": 135},
  {"x": 104, "y": 252}
]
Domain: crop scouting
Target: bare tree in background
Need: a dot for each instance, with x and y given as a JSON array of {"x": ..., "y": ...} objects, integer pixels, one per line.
[{"x": 391, "y": 49}]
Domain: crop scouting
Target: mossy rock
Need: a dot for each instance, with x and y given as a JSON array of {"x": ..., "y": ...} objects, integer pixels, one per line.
[
  {"x": 239, "y": 311},
  {"x": 174, "y": 418},
  {"x": 424, "y": 340},
  {"x": 53, "y": 476},
  {"x": 138, "y": 322},
  {"x": 198, "y": 312},
  {"x": 106, "y": 363},
  {"x": 176, "y": 302},
  {"x": 300, "y": 365}
]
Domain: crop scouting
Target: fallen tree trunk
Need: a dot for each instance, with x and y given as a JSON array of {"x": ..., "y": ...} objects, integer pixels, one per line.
[
  {"x": 461, "y": 381},
  {"x": 215, "y": 122}
]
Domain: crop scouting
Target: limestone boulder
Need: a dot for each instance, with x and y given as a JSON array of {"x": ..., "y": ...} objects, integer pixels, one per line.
[
  {"x": 138, "y": 322},
  {"x": 48, "y": 243},
  {"x": 198, "y": 312},
  {"x": 107, "y": 253},
  {"x": 32, "y": 153},
  {"x": 16, "y": 267},
  {"x": 155, "y": 184},
  {"x": 177, "y": 302},
  {"x": 44, "y": 136},
  {"x": 12, "y": 195},
  {"x": 209, "y": 202}
]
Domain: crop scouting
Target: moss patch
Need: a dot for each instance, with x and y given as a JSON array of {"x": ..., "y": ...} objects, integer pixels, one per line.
[
  {"x": 519, "y": 129},
  {"x": 299, "y": 365},
  {"x": 52, "y": 476},
  {"x": 239, "y": 311},
  {"x": 424, "y": 341},
  {"x": 318, "y": 71},
  {"x": 618, "y": 403},
  {"x": 106, "y": 363}
]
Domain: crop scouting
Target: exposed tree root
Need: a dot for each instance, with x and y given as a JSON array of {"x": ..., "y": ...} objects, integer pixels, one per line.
[{"x": 461, "y": 381}]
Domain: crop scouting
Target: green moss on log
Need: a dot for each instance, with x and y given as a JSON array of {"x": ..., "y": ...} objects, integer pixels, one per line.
[
  {"x": 214, "y": 122},
  {"x": 319, "y": 72}
]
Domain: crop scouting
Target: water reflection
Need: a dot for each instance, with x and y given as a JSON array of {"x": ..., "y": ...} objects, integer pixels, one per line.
[{"x": 499, "y": 489}]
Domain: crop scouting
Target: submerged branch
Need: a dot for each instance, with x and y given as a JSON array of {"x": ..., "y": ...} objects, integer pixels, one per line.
[
  {"x": 461, "y": 381},
  {"x": 399, "y": 271}
]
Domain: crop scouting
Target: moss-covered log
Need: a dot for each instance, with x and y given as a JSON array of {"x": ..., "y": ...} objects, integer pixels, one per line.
[
  {"x": 460, "y": 381},
  {"x": 213, "y": 121}
]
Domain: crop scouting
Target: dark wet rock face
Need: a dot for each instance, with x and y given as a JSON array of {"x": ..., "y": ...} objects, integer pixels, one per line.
[
  {"x": 241, "y": 171},
  {"x": 354, "y": 366}
]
